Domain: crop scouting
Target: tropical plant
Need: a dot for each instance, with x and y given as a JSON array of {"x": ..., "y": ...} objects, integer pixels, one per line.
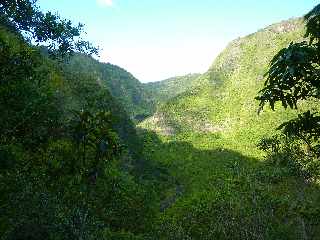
[{"x": 294, "y": 75}]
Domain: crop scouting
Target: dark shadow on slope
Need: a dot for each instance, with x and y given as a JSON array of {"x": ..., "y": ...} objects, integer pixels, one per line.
[
  {"x": 222, "y": 194},
  {"x": 183, "y": 160}
]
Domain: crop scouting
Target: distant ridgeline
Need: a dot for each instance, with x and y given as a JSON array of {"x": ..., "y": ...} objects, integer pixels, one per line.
[
  {"x": 139, "y": 100},
  {"x": 121, "y": 84},
  {"x": 222, "y": 99},
  {"x": 164, "y": 90},
  {"x": 83, "y": 83}
]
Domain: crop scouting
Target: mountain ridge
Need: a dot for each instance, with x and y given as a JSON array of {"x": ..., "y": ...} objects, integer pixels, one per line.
[
  {"x": 162, "y": 91},
  {"x": 121, "y": 84},
  {"x": 207, "y": 137},
  {"x": 237, "y": 71}
]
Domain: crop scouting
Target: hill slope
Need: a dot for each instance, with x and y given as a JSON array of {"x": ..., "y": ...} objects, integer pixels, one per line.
[
  {"x": 164, "y": 90},
  {"x": 207, "y": 136},
  {"x": 223, "y": 102},
  {"x": 64, "y": 145},
  {"x": 122, "y": 85}
]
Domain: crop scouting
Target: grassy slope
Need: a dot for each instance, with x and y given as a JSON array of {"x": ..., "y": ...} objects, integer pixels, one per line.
[{"x": 208, "y": 143}]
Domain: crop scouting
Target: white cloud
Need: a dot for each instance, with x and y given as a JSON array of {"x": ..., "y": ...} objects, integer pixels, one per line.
[{"x": 107, "y": 3}]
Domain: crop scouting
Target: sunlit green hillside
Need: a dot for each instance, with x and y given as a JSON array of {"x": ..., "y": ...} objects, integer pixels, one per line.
[
  {"x": 87, "y": 152},
  {"x": 164, "y": 90},
  {"x": 207, "y": 137},
  {"x": 223, "y": 102}
]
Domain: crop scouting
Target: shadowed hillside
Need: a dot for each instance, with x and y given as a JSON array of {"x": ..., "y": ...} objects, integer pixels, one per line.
[
  {"x": 122, "y": 85},
  {"x": 211, "y": 192}
]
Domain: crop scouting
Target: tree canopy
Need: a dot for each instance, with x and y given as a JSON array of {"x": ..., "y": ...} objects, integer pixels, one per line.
[
  {"x": 294, "y": 75},
  {"x": 59, "y": 35},
  {"x": 61, "y": 174}
]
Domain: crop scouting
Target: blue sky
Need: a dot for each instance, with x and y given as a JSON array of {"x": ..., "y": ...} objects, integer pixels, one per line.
[{"x": 158, "y": 39}]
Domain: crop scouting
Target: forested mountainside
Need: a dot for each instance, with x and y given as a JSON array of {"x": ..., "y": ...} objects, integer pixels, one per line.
[
  {"x": 164, "y": 90},
  {"x": 67, "y": 150},
  {"x": 81, "y": 157},
  {"x": 84, "y": 90},
  {"x": 224, "y": 187},
  {"x": 223, "y": 100},
  {"x": 122, "y": 85}
]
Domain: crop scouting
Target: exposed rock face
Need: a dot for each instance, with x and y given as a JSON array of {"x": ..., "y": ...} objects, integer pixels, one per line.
[
  {"x": 285, "y": 26},
  {"x": 158, "y": 122}
]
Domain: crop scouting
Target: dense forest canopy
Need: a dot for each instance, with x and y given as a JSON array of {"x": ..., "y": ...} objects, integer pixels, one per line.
[
  {"x": 64, "y": 139},
  {"x": 89, "y": 152}
]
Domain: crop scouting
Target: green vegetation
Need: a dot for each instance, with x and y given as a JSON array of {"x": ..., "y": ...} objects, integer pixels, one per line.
[
  {"x": 293, "y": 77},
  {"x": 164, "y": 90},
  {"x": 208, "y": 142},
  {"x": 48, "y": 29},
  {"x": 68, "y": 151},
  {"x": 205, "y": 165},
  {"x": 121, "y": 84},
  {"x": 223, "y": 102}
]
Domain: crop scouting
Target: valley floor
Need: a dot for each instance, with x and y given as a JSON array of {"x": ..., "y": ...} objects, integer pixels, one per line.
[{"x": 220, "y": 189}]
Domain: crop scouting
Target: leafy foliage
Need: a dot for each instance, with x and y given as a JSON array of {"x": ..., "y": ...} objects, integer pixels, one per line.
[
  {"x": 305, "y": 127},
  {"x": 294, "y": 76},
  {"x": 66, "y": 150},
  {"x": 312, "y": 24},
  {"x": 59, "y": 35},
  {"x": 26, "y": 100},
  {"x": 94, "y": 136}
]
